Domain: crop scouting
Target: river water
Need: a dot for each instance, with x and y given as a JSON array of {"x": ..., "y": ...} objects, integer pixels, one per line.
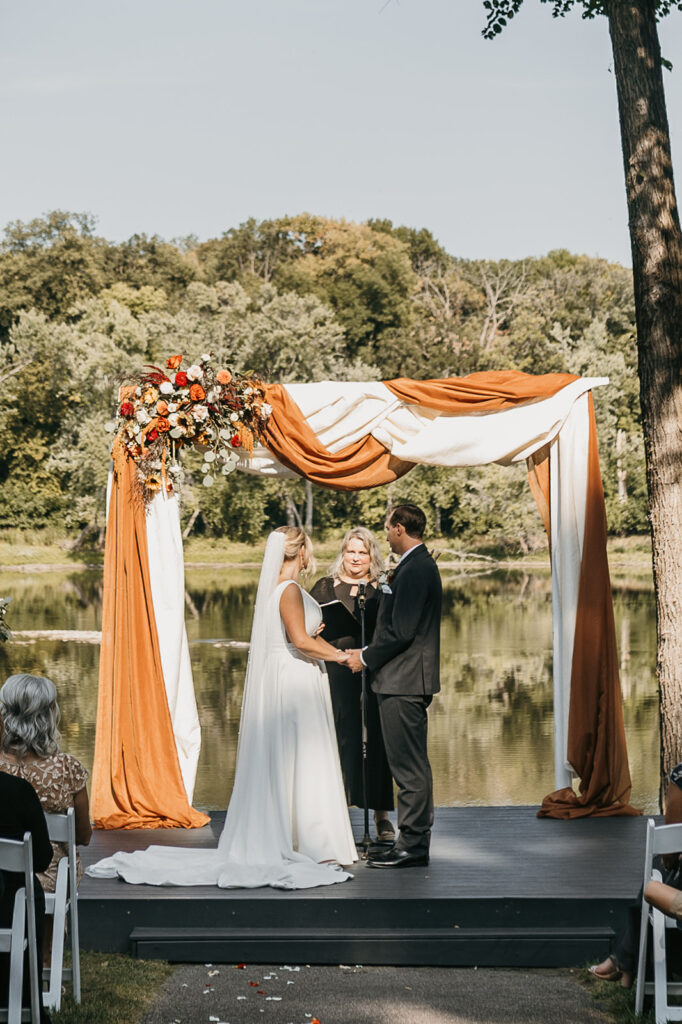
[{"x": 491, "y": 726}]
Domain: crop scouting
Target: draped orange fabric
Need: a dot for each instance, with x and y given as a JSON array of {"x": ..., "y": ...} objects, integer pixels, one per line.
[
  {"x": 596, "y": 734},
  {"x": 488, "y": 391},
  {"x": 365, "y": 463},
  {"x": 136, "y": 773}
]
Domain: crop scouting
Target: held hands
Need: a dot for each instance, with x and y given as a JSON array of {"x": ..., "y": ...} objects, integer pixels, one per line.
[
  {"x": 342, "y": 658},
  {"x": 354, "y": 662}
]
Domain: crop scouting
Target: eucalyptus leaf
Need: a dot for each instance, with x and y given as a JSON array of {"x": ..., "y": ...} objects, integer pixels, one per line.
[{"x": 208, "y": 481}]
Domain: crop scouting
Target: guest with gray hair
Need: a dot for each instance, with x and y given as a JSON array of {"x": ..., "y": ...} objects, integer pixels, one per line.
[{"x": 29, "y": 750}]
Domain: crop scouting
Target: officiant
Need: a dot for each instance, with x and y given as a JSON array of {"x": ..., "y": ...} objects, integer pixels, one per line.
[{"x": 359, "y": 561}]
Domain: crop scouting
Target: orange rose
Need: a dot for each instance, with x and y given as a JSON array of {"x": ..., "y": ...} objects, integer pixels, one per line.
[
  {"x": 162, "y": 425},
  {"x": 197, "y": 393},
  {"x": 162, "y": 407},
  {"x": 173, "y": 362},
  {"x": 223, "y": 376}
]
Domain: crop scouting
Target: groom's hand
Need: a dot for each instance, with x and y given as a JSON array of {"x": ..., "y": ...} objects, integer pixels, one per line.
[{"x": 354, "y": 662}]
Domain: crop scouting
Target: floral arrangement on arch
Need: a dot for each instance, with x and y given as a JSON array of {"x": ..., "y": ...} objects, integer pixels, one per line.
[{"x": 163, "y": 411}]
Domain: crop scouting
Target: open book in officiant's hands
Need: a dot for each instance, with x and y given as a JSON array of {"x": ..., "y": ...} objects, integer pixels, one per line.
[{"x": 339, "y": 624}]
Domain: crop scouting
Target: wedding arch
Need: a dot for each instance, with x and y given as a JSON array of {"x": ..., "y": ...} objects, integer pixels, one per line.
[{"x": 348, "y": 436}]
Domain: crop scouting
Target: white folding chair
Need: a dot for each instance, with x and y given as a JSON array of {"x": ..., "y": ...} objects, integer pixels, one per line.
[
  {"x": 660, "y": 840},
  {"x": 62, "y": 829},
  {"x": 17, "y": 857}
]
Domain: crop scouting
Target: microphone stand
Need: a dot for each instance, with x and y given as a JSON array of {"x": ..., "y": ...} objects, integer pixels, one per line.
[{"x": 365, "y": 842}]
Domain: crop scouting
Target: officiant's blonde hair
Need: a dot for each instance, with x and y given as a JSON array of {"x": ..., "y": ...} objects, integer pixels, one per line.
[
  {"x": 366, "y": 537},
  {"x": 296, "y": 538}
]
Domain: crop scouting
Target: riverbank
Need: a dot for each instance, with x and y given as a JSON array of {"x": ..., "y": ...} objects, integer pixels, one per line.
[{"x": 33, "y": 551}]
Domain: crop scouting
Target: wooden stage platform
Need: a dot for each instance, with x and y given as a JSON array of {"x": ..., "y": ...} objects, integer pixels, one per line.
[{"x": 503, "y": 888}]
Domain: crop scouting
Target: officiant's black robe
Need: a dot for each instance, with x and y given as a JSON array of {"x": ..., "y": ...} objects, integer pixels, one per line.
[{"x": 346, "y": 689}]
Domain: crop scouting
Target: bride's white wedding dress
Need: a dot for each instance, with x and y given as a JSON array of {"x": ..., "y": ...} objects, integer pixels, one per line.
[{"x": 287, "y": 812}]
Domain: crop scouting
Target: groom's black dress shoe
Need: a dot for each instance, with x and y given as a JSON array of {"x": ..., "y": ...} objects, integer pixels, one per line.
[{"x": 397, "y": 859}]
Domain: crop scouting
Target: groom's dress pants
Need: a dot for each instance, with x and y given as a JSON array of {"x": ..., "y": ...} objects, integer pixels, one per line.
[{"x": 404, "y": 726}]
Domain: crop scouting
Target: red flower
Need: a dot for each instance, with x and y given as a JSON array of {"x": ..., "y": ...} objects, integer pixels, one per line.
[
  {"x": 181, "y": 379},
  {"x": 152, "y": 435},
  {"x": 235, "y": 442},
  {"x": 196, "y": 392},
  {"x": 127, "y": 409},
  {"x": 173, "y": 362}
]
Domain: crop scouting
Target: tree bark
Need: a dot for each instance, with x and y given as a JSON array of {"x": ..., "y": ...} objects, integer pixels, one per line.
[
  {"x": 309, "y": 508},
  {"x": 657, "y": 269}
]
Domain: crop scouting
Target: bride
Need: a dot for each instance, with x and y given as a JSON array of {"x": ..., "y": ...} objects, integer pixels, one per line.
[{"x": 287, "y": 823}]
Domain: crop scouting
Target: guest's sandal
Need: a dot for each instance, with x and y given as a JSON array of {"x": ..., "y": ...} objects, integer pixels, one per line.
[{"x": 613, "y": 973}]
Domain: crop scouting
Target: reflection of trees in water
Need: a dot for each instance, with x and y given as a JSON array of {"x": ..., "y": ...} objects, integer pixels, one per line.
[
  {"x": 491, "y": 727},
  {"x": 54, "y": 600},
  {"x": 74, "y": 670}
]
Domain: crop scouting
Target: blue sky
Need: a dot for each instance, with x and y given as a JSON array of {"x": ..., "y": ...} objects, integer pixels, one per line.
[{"x": 178, "y": 117}]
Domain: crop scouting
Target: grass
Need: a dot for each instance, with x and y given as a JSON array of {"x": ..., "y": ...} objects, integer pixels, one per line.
[
  {"x": 618, "y": 1002},
  {"x": 116, "y": 989},
  {"x": 628, "y": 556}
]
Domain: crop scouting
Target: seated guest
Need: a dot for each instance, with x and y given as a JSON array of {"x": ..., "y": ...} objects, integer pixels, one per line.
[
  {"x": 359, "y": 561},
  {"x": 29, "y": 750},
  {"x": 621, "y": 964},
  {"x": 20, "y": 812}
]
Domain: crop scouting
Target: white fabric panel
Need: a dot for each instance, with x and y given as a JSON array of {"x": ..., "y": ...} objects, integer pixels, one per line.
[
  {"x": 341, "y": 413},
  {"x": 568, "y": 483},
  {"x": 167, "y": 574}
]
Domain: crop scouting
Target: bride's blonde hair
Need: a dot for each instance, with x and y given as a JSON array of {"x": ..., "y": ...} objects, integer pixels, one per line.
[{"x": 296, "y": 538}]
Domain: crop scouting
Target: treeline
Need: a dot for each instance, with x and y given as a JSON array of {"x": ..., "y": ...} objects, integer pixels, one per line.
[{"x": 297, "y": 298}]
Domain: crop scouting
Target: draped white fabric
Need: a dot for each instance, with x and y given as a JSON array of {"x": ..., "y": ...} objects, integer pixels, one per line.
[
  {"x": 568, "y": 480},
  {"x": 341, "y": 413},
  {"x": 167, "y": 576}
]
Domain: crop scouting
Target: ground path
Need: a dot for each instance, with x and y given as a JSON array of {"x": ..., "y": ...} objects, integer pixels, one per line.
[{"x": 351, "y": 994}]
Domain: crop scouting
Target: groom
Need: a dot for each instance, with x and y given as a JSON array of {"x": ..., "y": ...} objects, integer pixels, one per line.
[{"x": 404, "y": 660}]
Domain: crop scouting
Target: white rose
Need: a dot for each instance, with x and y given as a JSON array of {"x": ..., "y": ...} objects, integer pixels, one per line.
[
  {"x": 195, "y": 373},
  {"x": 200, "y": 413},
  {"x": 141, "y": 416},
  {"x": 173, "y": 419},
  {"x": 234, "y": 417},
  {"x": 172, "y": 407},
  {"x": 166, "y": 388},
  {"x": 206, "y": 357},
  {"x": 213, "y": 396},
  {"x": 265, "y": 409}
]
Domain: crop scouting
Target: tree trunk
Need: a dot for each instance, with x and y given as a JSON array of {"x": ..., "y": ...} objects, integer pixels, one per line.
[
  {"x": 622, "y": 473},
  {"x": 657, "y": 270},
  {"x": 309, "y": 508},
  {"x": 192, "y": 520}
]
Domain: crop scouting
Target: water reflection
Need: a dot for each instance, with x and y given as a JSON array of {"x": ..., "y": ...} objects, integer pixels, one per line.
[{"x": 490, "y": 727}]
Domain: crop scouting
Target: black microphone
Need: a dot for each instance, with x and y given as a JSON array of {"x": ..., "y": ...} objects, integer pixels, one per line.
[{"x": 362, "y": 595}]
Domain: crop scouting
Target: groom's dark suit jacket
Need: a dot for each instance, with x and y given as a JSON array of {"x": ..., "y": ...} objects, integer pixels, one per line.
[{"x": 404, "y": 656}]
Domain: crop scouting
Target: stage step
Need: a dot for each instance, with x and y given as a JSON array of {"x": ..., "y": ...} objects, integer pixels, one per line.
[{"x": 448, "y": 947}]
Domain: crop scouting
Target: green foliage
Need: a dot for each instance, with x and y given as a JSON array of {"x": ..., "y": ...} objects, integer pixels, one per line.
[
  {"x": 500, "y": 12},
  {"x": 298, "y": 298}
]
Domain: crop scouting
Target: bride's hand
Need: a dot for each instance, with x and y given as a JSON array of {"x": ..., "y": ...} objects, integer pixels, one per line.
[
  {"x": 319, "y": 629},
  {"x": 342, "y": 658}
]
